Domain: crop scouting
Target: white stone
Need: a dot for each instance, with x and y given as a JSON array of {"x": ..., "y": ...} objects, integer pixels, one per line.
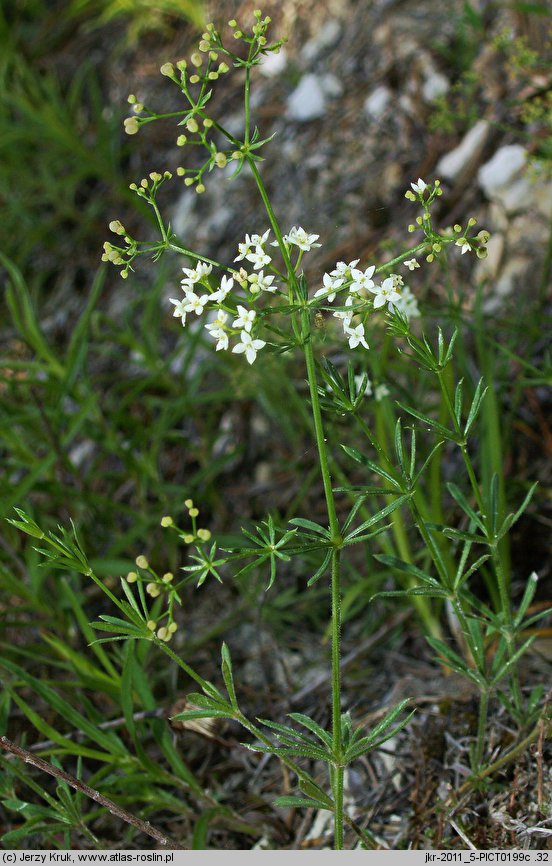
[
  {"x": 487, "y": 269},
  {"x": 436, "y": 84},
  {"x": 331, "y": 85},
  {"x": 376, "y": 103},
  {"x": 272, "y": 64},
  {"x": 307, "y": 102},
  {"x": 453, "y": 164},
  {"x": 326, "y": 37},
  {"x": 512, "y": 276},
  {"x": 502, "y": 168}
]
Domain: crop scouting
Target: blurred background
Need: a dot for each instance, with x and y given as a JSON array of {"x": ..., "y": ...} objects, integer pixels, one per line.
[{"x": 111, "y": 415}]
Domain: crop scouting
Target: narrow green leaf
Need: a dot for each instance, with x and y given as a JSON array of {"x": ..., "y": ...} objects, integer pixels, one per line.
[
  {"x": 312, "y": 726},
  {"x": 227, "y": 676},
  {"x": 300, "y": 803},
  {"x": 430, "y": 422}
]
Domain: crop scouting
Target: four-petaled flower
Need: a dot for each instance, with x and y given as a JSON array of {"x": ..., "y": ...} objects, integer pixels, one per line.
[
  {"x": 258, "y": 258},
  {"x": 342, "y": 269},
  {"x": 411, "y": 264},
  {"x": 226, "y": 286},
  {"x": 362, "y": 279},
  {"x": 462, "y": 242},
  {"x": 194, "y": 303},
  {"x": 259, "y": 282},
  {"x": 194, "y": 275},
  {"x": 330, "y": 284},
  {"x": 385, "y": 294},
  {"x": 245, "y": 319},
  {"x": 300, "y": 238},
  {"x": 179, "y": 309},
  {"x": 356, "y": 336},
  {"x": 249, "y": 346},
  {"x": 251, "y": 241},
  {"x": 419, "y": 186}
]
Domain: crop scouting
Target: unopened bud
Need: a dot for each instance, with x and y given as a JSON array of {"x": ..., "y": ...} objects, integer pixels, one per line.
[
  {"x": 167, "y": 521},
  {"x": 131, "y": 577},
  {"x": 142, "y": 562},
  {"x": 131, "y": 125},
  {"x": 167, "y": 69}
]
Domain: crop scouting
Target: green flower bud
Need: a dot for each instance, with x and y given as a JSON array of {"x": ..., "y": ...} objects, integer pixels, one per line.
[
  {"x": 142, "y": 562},
  {"x": 167, "y": 69}
]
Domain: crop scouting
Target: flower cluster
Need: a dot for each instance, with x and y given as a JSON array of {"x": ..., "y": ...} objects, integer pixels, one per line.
[
  {"x": 163, "y": 590},
  {"x": 234, "y": 299},
  {"x": 360, "y": 286}
]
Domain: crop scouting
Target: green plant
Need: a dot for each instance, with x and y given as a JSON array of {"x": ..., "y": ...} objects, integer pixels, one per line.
[{"x": 270, "y": 310}]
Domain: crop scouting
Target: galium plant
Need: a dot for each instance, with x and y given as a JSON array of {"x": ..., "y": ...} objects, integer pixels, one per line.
[{"x": 259, "y": 303}]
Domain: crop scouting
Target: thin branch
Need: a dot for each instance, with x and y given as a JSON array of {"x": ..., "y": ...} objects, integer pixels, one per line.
[{"x": 45, "y": 767}]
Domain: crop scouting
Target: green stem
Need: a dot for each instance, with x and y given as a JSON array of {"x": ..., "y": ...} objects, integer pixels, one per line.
[
  {"x": 337, "y": 773},
  {"x": 481, "y": 730},
  {"x": 336, "y": 539}
]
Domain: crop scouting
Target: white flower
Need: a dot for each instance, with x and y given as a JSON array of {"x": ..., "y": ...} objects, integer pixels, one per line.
[
  {"x": 330, "y": 284},
  {"x": 259, "y": 258},
  {"x": 381, "y": 392},
  {"x": 249, "y": 346},
  {"x": 194, "y": 303},
  {"x": 226, "y": 286},
  {"x": 356, "y": 336},
  {"x": 245, "y": 319},
  {"x": 194, "y": 275},
  {"x": 259, "y": 240},
  {"x": 342, "y": 269},
  {"x": 462, "y": 242},
  {"x": 385, "y": 294},
  {"x": 407, "y": 305},
  {"x": 218, "y": 322},
  {"x": 221, "y": 337},
  {"x": 411, "y": 264},
  {"x": 251, "y": 241},
  {"x": 420, "y": 186},
  {"x": 179, "y": 309},
  {"x": 259, "y": 282},
  {"x": 362, "y": 279},
  {"x": 300, "y": 238}
]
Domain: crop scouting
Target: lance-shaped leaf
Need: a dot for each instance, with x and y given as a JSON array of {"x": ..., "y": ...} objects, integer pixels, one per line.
[
  {"x": 459, "y": 497},
  {"x": 377, "y": 517},
  {"x": 301, "y": 803},
  {"x": 312, "y": 726},
  {"x": 374, "y": 467},
  {"x": 478, "y": 397},
  {"x": 227, "y": 675},
  {"x": 434, "y": 425},
  {"x": 408, "y": 568}
]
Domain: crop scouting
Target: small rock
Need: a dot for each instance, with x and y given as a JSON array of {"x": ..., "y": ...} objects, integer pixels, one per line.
[
  {"x": 501, "y": 169},
  {"x": 436, "y": 84},
  {"x": 331, "y": 85},
  {"x": 273, "y": 64},
  {"x": 326, "y": 37},
  {"x": 513, "y": 275},
  {"x": 307, "y": 102},
  {"x": 487, "y": 269},
  {"x": 376, "y": 103},
  {"x": 458, "y": 161}
]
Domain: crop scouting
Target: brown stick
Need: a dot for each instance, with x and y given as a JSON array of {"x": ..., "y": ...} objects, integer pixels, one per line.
[{"x": 143, "y": 826}]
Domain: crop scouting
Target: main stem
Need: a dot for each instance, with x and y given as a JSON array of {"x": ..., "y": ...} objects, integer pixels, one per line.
[{"x": 337, "y": 772}]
